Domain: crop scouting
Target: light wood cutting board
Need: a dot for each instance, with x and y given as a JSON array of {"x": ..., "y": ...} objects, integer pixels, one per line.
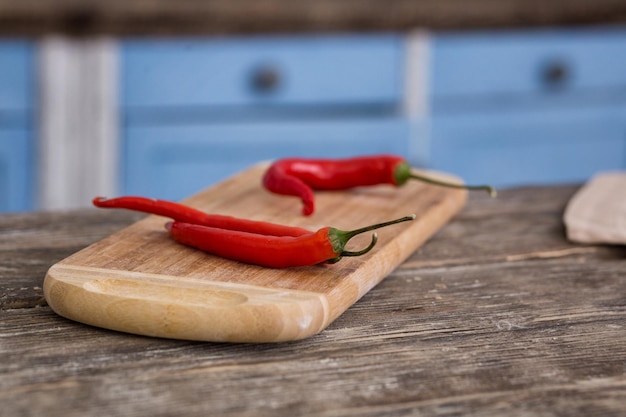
[{"x": 140, "y": 281}]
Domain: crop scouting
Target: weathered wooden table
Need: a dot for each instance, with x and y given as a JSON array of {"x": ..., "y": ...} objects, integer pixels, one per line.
[{"x": 496, "y": 315}]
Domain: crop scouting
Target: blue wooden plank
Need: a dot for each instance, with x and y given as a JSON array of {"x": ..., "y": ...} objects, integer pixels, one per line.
[
  {"x": 16, "y": 171},
  {"x": 175, "y": 162},
  {"x": 16, "y": 142},
  {"x": 495, "y": 63},
  {"x": 519, "y": 148},
  {"x": 217, "y": 72},
  {"x": 16, "y": 76}
]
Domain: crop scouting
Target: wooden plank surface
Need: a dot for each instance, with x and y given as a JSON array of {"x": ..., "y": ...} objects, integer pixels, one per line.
[
  {"x": 498, "y": 314},
  {"x": 141, "y": 281},
  {"x": 202, "y": 17}
]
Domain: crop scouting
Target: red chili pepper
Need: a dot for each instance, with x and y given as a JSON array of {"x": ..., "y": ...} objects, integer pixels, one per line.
[
  {"x": 299, "y": 177},
  {"x": 183, "y": 213},
  {"x": 325, "y": 245}
]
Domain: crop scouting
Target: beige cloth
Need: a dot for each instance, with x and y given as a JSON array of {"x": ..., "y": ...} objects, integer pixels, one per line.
[{"x": 597, "y": 212}]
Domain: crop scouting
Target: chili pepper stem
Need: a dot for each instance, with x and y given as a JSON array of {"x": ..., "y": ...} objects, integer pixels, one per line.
[
  {"x": 492, "y": 191},
  {"x": 339, "y": 238},
  {"x": 362, "y": 251},
  {"x": 403, "y": 172}
]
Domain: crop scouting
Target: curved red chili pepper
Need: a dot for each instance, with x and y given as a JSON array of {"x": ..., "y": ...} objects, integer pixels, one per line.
[
  {"x": 325, "y": 245},
  {"x": 183, "y": 213},
  {"x": 299, "y": 176}
]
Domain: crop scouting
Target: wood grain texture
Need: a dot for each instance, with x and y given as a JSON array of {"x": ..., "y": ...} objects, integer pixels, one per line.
[
  {"x": 141, "y": 281},
  {"x": 497, "y": 315},
  {"x": 30, "y": 243},
  {"x": 194, "y": 17}
]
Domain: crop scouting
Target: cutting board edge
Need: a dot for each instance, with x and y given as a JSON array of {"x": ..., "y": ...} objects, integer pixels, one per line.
[
  {"x": 169, "y": 307},
  {"x": 389, "y": 258}
]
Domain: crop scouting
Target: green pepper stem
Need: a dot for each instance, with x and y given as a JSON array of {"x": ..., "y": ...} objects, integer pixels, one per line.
[
  {"x": 340, "y": 238},
  {"x": 492, "y": 191},
  {"x": 362, "y": 251},
  {"x": 351, "y": 233}
]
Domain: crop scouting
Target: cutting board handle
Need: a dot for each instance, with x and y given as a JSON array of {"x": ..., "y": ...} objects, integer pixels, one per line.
[{"x": 155, "y": 305}]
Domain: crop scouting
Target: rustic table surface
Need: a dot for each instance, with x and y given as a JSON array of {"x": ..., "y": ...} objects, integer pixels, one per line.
[{"x": 498, "y": 314}]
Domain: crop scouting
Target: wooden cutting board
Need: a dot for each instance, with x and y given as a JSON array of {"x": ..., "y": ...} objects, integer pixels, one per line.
[{"x": 140, "y": 281}]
